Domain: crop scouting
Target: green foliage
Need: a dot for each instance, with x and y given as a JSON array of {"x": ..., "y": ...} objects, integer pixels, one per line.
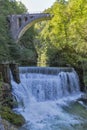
[
  {"x": 28, "y": 50},
  {"x": 15, "y": 51},
  {"x": 12, "y": 117},
  {"x": 8, "y": 49},
  {"x": 6, "y": 105},
  {"x": 64, "y": 37}
]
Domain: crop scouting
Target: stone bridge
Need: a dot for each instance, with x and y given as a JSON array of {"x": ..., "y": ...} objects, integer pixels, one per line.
[{"x": 19, "y": 24}]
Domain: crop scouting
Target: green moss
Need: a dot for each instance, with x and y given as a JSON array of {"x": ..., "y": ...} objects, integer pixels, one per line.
[
  {"x": 6, "y": 105},
  {"x": 12, "y": 117}
]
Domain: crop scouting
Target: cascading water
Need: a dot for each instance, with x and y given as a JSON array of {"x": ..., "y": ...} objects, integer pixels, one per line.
[{"x": 42, "y": 94}]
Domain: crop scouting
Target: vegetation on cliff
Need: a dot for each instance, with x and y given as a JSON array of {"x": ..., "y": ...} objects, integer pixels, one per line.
[
  {"x": 7, "y": 114},
  {"x": 6, "y": 105}
]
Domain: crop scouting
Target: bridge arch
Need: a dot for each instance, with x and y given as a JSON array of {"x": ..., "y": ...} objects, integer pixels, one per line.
[{"x": 19, "y": 24}]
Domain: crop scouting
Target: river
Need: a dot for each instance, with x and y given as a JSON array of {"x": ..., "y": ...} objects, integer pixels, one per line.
[{"x": 48, "y": 99}]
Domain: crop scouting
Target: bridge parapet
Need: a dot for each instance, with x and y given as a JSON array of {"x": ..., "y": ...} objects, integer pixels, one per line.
[{"x": 20, "y": 23}]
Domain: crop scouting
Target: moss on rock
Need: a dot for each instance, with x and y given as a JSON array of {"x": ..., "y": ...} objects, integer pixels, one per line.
[
  {"x": 7, "y": 114},
  {"x": 6, "y": 105}
]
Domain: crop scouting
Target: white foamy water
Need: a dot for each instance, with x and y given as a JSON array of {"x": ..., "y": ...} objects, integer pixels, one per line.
[{"x": 40, "y": 97}]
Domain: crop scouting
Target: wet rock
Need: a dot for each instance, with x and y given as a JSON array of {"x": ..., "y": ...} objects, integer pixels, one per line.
[
  {"x": 15, "y": 72},
  {"x": 5, "y": 94},
  {"x": 1, "y": 125},
  {"x": 8, "y": 126},
  {"x": 83, "y": 99}
]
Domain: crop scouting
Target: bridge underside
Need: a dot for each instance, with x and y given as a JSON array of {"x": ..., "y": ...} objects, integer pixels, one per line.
[
  {"x": 19, "y": 24},
  {"x": 25, "y": 28}
]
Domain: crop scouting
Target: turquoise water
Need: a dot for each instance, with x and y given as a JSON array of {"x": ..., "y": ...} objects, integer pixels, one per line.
[{"x": 72, "y": 116}]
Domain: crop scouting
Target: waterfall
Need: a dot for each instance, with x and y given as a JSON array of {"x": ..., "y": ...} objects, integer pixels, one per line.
[
  {"x": 45, "y": 83},
  {"x": 41, "y": 88}
]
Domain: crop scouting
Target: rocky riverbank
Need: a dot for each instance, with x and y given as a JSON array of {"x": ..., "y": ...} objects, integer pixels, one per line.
[
  {"x": 9, "y": 120},
  {"x": 5, "y": 125}
]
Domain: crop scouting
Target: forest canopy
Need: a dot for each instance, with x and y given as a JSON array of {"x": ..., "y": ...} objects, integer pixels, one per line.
[
  {"x": 63, "y": 39},
  {"x": 56, "y": 42}
]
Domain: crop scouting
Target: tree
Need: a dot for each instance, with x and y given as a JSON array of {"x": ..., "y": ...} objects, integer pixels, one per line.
[
  {"x": 64, "y": 36},
  {"x": 9, "y": 50}
]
